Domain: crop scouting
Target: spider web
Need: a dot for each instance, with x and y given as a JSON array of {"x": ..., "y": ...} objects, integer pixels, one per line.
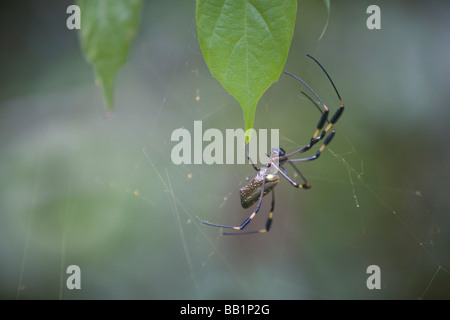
[{"x": 107, "y": 198}]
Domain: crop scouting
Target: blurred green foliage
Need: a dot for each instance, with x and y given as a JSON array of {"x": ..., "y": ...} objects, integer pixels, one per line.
[{"x": 107, "y": 30}]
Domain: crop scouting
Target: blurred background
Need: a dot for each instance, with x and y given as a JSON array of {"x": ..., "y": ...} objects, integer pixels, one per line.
[{"x": 80, "y": 187}]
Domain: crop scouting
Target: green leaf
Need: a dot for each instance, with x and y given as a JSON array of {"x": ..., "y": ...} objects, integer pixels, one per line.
[
  {"x": 327, "y": 5},
  {"x": 245, "y": 44},
  {"x": 107, "y": 29}
]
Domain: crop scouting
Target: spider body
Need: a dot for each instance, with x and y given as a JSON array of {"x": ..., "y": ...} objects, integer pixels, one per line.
[
  {"x": 251, "y": 193},
  {"x": 267, "y": 177}
]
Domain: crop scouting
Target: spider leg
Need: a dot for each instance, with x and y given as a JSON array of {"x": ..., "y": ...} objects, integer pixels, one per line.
[
  {"x": 316, "y": 138},
  {"x": 339, "y": 112},
  {"x": 323, "y": 119},
  {"x": 250, "y": 160},
  {"x": 319, "y": 152},
  {"x": 305, "y": 185},
  {"x": 246, "y": 221},
  {"x": 268, "y": 222}
]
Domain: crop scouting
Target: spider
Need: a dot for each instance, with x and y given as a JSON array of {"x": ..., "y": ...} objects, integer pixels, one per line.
[{"x": 267, "y": 177}]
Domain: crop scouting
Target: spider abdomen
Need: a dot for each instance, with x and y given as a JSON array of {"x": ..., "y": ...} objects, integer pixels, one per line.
[{"x": 252, "y": 191}]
